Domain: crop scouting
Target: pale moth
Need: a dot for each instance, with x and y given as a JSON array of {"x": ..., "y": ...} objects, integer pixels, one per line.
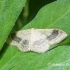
[{"x": 37, "y": 40}]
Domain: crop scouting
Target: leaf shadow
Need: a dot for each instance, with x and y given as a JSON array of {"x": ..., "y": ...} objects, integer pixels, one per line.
[{"x": 3, "y": 50}]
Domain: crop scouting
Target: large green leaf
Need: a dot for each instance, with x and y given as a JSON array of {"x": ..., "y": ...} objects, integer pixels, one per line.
[
  {"x": 9, "y": 12},
  {"x": 54, "y": 15}
]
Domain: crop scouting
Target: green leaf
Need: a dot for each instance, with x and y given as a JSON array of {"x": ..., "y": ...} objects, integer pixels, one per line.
[
  {"x": 54, "y": 15},
  {"x": 9, "y": 12}
]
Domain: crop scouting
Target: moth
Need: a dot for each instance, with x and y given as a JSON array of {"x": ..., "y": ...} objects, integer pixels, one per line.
[{"x": 37, "y": 40}]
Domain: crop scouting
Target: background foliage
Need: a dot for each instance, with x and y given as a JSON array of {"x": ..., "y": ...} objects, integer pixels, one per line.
[{"x": 41, "y": 14}]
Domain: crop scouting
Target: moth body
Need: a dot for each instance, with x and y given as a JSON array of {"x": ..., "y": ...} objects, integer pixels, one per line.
[{"x": 37, "y": 40}]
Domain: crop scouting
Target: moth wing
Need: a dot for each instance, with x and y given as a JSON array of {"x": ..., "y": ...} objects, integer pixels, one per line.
[
  {"x": 53, "y": 36},
  {"x": 40, "y": 46},
  {"x": 20, "y": 39}
]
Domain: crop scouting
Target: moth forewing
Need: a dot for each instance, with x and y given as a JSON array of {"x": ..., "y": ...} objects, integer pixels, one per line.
[
  {"x": 20, "y": 39},
  {"x": 53, "y": 36},
  {"x": 56, "y": 36}
]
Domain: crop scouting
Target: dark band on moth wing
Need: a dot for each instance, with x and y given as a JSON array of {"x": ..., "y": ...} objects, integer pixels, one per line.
[
  {"x": 53, "y": 35},
  {"x": 25, "y": 43},
  {"x": 15, "y": 38},
  {"x": 38, "y": 42}
]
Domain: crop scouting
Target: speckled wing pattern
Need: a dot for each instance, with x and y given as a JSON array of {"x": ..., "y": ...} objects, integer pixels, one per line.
[{"x": 37, "y": 40}]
